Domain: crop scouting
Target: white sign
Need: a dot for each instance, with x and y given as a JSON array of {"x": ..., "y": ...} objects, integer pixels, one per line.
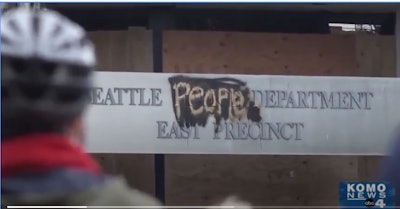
[{"x": 241, "y": 114}]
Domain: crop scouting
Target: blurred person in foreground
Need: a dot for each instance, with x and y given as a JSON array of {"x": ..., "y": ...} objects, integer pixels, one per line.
[{"x": 47, "y": 65}]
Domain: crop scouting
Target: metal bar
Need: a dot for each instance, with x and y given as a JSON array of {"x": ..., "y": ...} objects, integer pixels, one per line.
[{"x": 158, "y": 22}]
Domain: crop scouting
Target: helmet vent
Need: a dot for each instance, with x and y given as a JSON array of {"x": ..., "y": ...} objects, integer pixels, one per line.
[
  {"x": 35, "y": 23},
  {"x": 57, "y": 30},
  {"x": 65, "y": 45},
  {"x": 84, "y": 41},
  {"x": 5, "y": 40},
  {"x": 13, "y": 26}
]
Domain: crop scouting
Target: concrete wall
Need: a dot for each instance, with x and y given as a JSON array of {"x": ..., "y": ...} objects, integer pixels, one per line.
[{"x": 263, "y": 180}]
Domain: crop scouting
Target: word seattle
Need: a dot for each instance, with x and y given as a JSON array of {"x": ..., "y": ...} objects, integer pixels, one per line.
[{"x": 122, "y": 96}]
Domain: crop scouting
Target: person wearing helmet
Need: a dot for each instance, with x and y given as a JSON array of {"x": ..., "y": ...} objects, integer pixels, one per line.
[{"x": 47, "y": 62}]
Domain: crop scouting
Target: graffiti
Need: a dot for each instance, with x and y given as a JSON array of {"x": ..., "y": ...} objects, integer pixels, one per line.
[{"x": 197, "y": 99}]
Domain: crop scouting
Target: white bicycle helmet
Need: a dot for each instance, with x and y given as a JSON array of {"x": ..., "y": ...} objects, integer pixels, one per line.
[{"x": 47, "y": 61}]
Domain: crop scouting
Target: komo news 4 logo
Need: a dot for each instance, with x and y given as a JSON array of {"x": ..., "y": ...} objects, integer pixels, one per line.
[{"x": 366, "y": 194}]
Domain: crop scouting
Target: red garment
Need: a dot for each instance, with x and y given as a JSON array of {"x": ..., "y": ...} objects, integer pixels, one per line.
[{"x": 41, "y": 153}]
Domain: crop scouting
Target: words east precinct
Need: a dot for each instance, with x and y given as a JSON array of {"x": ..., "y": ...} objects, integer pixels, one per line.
[{"x": 236, "y": 131}]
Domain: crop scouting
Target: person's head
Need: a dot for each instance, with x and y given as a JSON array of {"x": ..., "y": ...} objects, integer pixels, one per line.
[{"x": 46, "y": 62}]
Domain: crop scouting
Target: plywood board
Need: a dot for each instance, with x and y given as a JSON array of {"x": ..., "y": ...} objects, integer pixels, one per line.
[
  {"x": 376, "y": 55},
  {"x": 126, "y": 51},
  {"x": 369, "y": 167},
  {"x": 262, "y": 180},
  {"x": 259, "y": 53},
  {"x": 270, "y": 180}
]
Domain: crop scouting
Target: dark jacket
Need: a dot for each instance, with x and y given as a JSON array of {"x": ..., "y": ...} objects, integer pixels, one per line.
[{"x": 69, "y": 187}]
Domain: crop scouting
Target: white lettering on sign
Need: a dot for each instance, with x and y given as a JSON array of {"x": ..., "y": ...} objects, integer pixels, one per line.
[{"x": 365, "y": 190}]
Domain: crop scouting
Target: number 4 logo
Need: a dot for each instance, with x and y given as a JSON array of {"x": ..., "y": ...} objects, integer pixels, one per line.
[{"x": 380, "y": 203}]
